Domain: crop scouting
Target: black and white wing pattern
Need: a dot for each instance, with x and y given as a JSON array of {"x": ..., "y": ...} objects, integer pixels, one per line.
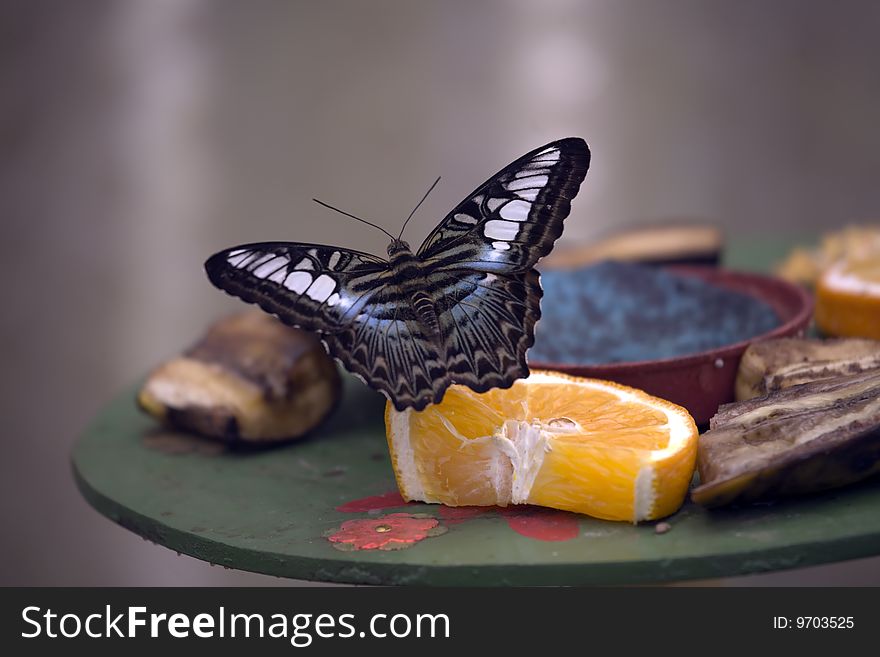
[
  {"x": 314, "y": 287},
  {"x": 487, "y": 323},
  {"x": 351, "y": 300},
  {"x": 480, "y": 261},
  {"x": 391, "y": 349},
  {"x": 512, "y": 220}
]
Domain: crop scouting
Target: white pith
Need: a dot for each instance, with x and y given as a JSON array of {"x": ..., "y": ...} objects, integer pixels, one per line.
[{"x": 841, "y": 279}]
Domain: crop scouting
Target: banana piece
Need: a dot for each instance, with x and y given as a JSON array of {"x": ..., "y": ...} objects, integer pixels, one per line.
[
  {"x": 802, "y": 399},
  {"x": 806, "y": 438},
  {"x": 778, "y": 364},
  {"x": 249, "y": 379}
]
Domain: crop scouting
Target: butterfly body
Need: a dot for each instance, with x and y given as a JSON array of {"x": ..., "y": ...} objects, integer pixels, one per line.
[
  {"x": 462, "y": 309},
  {"x": 407, "y": 275}
]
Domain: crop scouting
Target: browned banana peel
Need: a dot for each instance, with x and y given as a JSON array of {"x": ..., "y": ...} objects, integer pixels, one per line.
[
  {"x": 778, "y": 364},
  {"x": 249, "y": 379},
  {"x": 806, "y": 438}
]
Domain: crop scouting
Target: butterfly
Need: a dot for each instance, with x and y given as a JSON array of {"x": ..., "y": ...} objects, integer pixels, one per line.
[{"x": 461, "y": 310}]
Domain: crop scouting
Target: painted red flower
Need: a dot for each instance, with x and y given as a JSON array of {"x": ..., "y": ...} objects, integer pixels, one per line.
[{"x": 392, "y": 532}]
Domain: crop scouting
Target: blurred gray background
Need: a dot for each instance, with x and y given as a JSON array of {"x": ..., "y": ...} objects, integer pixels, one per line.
[{"x": 138, "y": 137}]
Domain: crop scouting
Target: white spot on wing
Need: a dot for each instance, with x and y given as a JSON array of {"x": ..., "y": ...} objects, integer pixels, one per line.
[
  {"x": 334, "y": 260},
  {"x": 500, "y": 246},
  {"x": 532, "y": 172},
  {"x": 333, "y": 299},
  {"x": 501, "y": 230},
  {"x": 494, "y": 203},
  {"x": 549, "y": 156},
  {"x": 528, "y": 194},
  {"x": 237, "y": 258},
  {"x": 516, "y": 210},
  {"x": 525, "y": 183},
  {"x": 271, "y": 266},
  {"x": 321, "y": 288},
  {"x": 278, "y": 276},
  {"x": 465, "y": 218},
  {"x": 266, "y": 257},
  {"x": 305, "y": 264},
  {"x": 298, "y": 281}
]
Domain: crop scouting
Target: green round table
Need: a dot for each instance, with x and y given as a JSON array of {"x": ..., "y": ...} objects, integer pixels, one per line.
[{"x": 275, "y": 511}]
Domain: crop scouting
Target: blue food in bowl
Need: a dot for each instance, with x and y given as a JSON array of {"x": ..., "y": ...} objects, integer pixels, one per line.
[{"x": 615, "y": 312}]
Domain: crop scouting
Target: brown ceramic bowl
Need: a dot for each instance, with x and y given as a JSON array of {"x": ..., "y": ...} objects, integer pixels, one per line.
[{"x": 701, "y": 382}]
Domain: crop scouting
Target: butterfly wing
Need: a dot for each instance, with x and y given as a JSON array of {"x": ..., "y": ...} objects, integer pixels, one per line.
[
  {"x": 314, "y": 287},
  {"x": 512, "y": 220},
  {"x": 487, "y": 322},
  {"x": 480, "y": 260},
  {"x": 351, "y": 300},
  {"x": 392, "y": 350}
]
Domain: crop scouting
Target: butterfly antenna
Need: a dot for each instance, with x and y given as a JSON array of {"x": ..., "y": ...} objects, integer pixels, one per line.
[
  {"x": 430, "y": 189},
  {"x": 353, "y": 217}
]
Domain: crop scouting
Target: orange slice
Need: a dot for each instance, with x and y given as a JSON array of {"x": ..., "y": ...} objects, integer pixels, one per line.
[
  {"x": 554, "y": 440},
  {"x": 848, "y": 299}
]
